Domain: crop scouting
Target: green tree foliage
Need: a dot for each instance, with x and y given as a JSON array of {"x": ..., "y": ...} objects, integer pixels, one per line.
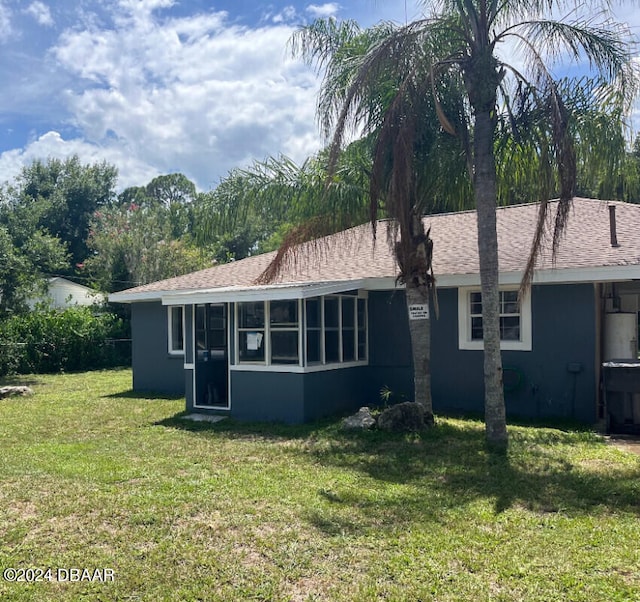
[
  {"x": 276, "y": 203},
  {"x": 171, "y": 189},
  {"x": 63, "y": 195},
  {"x": 44, "y": 222},
  {"x": 25, "y": 256},
  {"x": 78, "y": 338},
  {"x": 627, "y": 185},
  {"x": 134, "y": 245}
]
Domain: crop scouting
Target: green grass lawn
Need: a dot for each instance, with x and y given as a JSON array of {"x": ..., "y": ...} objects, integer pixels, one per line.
[{"x": 94, "y": 476}]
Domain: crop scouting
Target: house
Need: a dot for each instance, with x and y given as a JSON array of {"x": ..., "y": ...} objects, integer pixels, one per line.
[
  {"x": 62, "y": 293},
  {"x": 332, "y": 330}
]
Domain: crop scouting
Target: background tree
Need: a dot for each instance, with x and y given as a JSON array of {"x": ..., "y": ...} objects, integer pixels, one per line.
[
  {"x": 134, "y": 245},
  {"x": 276, "y": 203},
  {"x": 65, "y": 194},
  {"x": 28, "y": 253}
]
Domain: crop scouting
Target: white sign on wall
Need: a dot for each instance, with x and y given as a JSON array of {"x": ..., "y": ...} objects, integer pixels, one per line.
[{"x": 419, "y": 312}]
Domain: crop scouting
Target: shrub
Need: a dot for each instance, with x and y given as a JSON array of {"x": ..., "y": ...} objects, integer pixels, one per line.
[{"x": 77, "y": 338}]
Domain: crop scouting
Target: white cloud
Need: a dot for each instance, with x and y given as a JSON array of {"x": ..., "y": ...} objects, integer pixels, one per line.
[
  {"x": 323, "y": 10},
  {"x": 41, "y": 13},
  {"x": 193, "y": 94},
  {"x": 132, "y": 171},
  {"x": 287, "y": 15}
]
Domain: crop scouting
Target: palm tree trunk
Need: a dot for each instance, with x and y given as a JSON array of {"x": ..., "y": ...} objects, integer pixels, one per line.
[
  {"x": 414, "y": 253},
  {"x": 485, "y": 192},
  {"x": 420, "y": 331}
]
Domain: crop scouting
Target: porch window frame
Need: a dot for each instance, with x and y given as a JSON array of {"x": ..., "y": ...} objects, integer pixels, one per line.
[
  {"x": 289, "y": 327},
  {"x": 238, "y": 329},
  {"x": 303, "y": 364}
]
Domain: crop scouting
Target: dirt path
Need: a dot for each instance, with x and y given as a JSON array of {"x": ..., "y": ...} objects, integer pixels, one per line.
[{"x": 626, "y": 443}]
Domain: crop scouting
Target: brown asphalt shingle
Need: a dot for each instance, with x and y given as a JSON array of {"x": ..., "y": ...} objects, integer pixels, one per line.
[{"x": 352, "y": 254}]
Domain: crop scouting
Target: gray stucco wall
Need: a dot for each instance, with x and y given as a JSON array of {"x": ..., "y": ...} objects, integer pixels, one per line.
[
  {"x": 390, "y": 363},
  {"x": 337, "y": 391},
  {"x": 294, "y": 398},
  {"x": 539, "y": 383},
  {"x": 267, "y": 396},
  {"x": 153, "y": 368}
]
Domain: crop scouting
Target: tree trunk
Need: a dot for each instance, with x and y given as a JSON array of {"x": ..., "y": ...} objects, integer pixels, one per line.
[
  {"x": 414, "y": 253},
  {"x": 485, "y": 193},
  {"x": 420, "y": 331}
]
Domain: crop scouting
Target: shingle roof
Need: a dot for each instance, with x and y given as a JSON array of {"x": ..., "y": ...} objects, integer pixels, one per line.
[{"x": 352, "y": 254}]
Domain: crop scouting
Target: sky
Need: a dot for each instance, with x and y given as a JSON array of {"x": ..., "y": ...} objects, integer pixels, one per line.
[{"x": 154, "y": 87}]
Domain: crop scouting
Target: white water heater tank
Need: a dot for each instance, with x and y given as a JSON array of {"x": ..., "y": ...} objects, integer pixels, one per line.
[{"x": 620, "y": 336}]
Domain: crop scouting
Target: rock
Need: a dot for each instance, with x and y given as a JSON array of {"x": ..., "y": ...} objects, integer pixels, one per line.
[
  {"x": 11, "y": 391},
  {"x": 362, "y": 419},
  {"x": 404, "y": 417}
]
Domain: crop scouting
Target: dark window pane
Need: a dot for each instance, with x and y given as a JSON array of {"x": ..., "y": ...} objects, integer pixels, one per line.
[
  {"x": 511, "y": 308},
  {"x": 509, "y": 303},
  {"x": 284, "y": 347},
  {"x": 313, "y": 313},
  {"x": 177, "y": 331},
  {"x": 331, "y": 346},
  {"x": 313, "y": 347},
  {"x": 201, "y": 334},
  {"x": 476, "y": 329},
  {"x": 510, "y": 296},
  {"x": 475, "y": 301},
  {"x": 348, "y": 345},
  {"x": 362, "y": 313},
  {"x": 331, "y": 306},
  {"x": 510, "y": 328},
  {"x": 348, "y": 312},
  {"x": 217, "y": 317},
  {"x": 251, "y": 315},
  {"x": 251, "y": 346},
  {"x": 283, "y": 313},
  {"x": 200, "y": 317}
]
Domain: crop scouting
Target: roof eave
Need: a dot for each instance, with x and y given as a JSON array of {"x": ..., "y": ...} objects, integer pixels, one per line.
[{"x": 302, "y": 290}]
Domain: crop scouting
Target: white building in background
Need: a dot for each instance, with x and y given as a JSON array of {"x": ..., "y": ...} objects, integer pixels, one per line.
[{"x": 63, "y": 293}]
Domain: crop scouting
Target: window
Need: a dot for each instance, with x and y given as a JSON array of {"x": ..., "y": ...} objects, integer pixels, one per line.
[
  {"x": 217, "y": 327},
  {"x": 362, "y": 329},
  {"x": 251, "y": 331},
  {"x": 515, "y": 320},
  {"x": 271, "y": 332},
  {"x": 331, "y": 329},
  {"x": 176, "y": 330},
  {"x": 313, "y": 308},
  {"x": 284, "y": 329},
  {"x": 336, "y": 329},
  {"x": 348, "y": 329}
]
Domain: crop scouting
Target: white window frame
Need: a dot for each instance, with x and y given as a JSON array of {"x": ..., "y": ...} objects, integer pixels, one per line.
[
  {"x": 170, "y": 349},
  {"x": 302, "y": 365},
  {"x": 464, "y": 322},
  {"x": 287, "y": 328},
  {"x": 264, "y": 330}
]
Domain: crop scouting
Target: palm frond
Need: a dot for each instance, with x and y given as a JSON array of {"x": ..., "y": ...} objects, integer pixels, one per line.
[{"x": 605, "y": 45}]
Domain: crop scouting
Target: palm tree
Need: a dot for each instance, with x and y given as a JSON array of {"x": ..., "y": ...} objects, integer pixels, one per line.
[
  {"x": 412, "y": 159},
  {"x": 452, "y": 59}
]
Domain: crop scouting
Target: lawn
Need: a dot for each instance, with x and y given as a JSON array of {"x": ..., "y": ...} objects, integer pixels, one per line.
[{"x": 94, "y": 476}]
